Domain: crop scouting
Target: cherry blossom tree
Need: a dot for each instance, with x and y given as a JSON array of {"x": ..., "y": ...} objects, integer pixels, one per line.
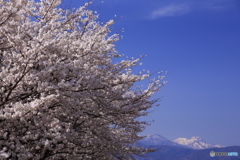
[{"x": 61, "y": 95}]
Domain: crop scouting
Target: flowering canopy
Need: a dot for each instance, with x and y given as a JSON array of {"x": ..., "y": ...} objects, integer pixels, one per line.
[{"x": 61, "y": 96}]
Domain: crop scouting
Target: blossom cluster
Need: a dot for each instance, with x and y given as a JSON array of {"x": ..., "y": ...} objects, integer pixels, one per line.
[{"x": 61, "y": 95}]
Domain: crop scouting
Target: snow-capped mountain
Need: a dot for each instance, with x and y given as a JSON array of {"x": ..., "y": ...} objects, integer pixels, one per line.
[
  {"x": 182, "y": 149},
  {"x": 195, "y": 143},
  {"x": 156, "y": 140}
]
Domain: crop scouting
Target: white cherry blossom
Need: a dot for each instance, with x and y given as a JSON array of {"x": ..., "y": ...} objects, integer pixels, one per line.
[{"x": 61, "y": 95}]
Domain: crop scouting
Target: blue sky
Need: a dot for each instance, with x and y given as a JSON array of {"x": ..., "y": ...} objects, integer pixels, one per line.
[{"x": 198, "y": 43}]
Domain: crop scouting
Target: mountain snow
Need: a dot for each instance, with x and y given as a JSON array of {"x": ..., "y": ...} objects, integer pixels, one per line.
[
  {"x": 155, "y": 140},
  {"x": 195, "y": 143}
]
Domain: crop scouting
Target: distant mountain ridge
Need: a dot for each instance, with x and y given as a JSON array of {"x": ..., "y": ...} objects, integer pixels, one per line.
[
  {"x": 179, "y": 153},
  {"x": 156, "y": 140},
  {"x": 184, "y": 149},
  {"x": 193, "y": 143}
]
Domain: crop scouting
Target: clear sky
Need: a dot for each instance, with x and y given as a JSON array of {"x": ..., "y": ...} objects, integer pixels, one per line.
[{"x": 198, "y": 43}]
